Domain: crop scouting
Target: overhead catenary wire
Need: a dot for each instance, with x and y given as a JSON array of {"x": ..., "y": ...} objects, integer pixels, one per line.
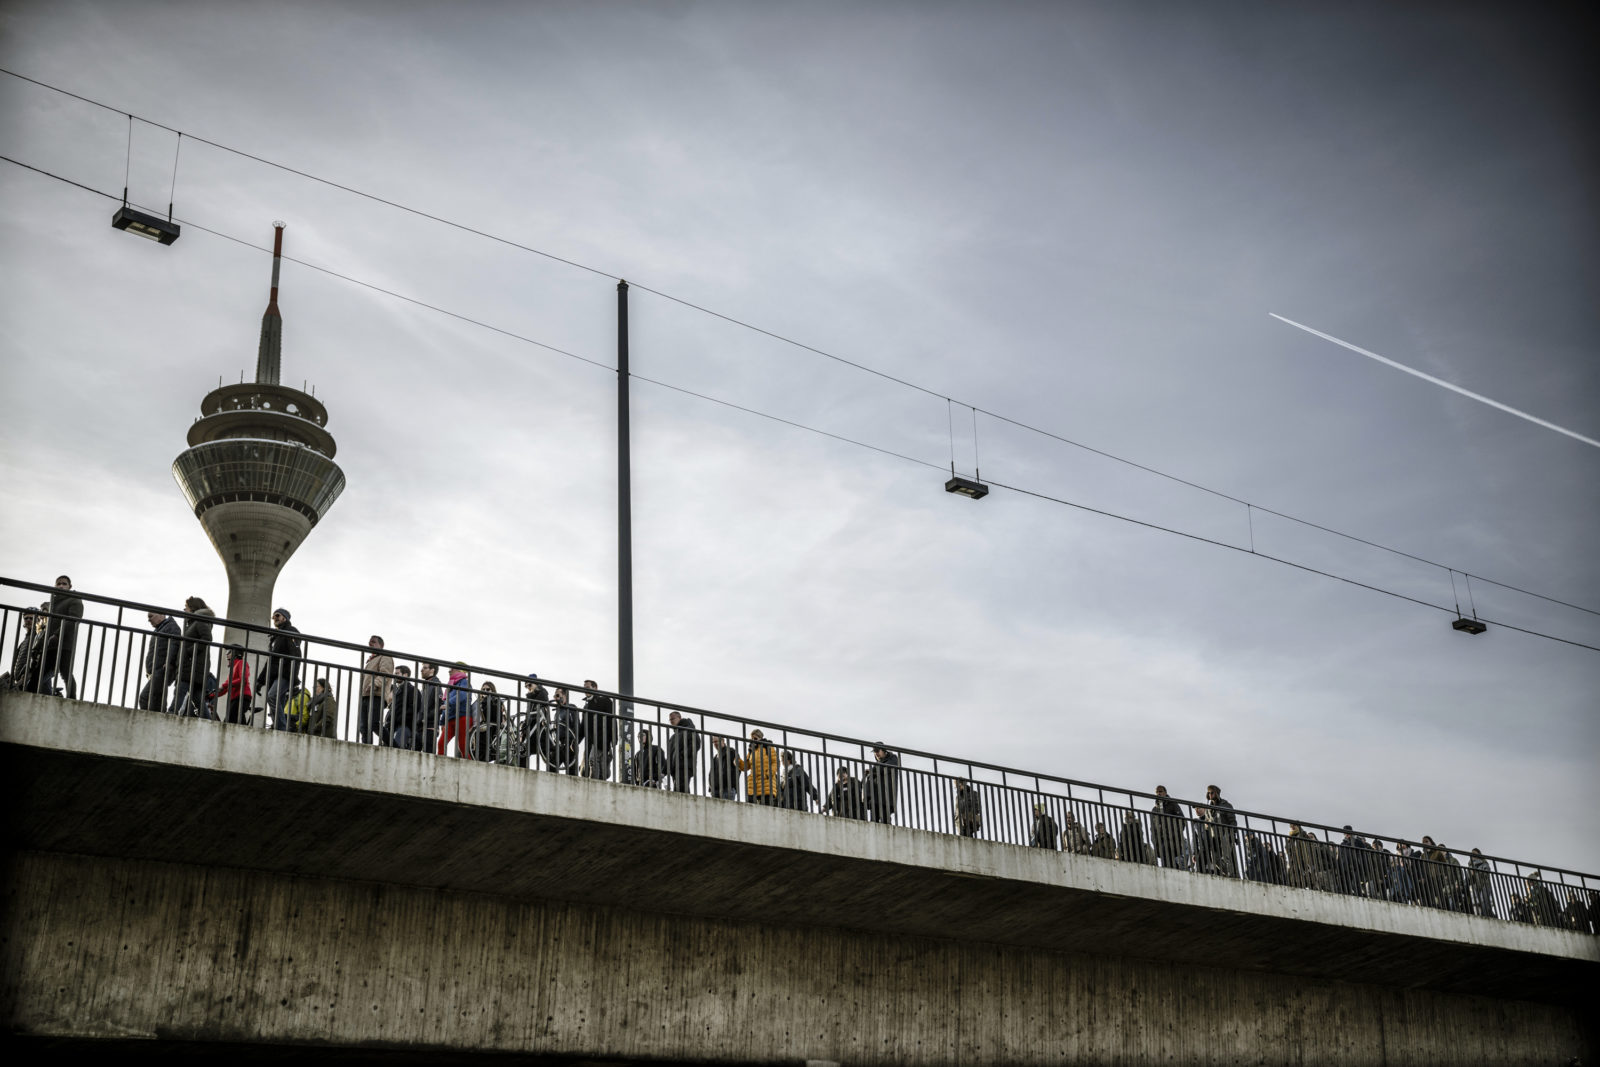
[
  {"x": 865, "y": 368},
  {"x": 813, "y": 429}
]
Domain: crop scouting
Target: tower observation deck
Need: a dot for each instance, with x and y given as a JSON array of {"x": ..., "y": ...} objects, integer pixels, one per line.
[{"x": 259, "y": 471}]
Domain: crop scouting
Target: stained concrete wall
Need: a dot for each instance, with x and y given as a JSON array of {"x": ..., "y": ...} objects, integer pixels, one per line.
[
  {"x": 167, "y": 951},
  {"x": 191, "y": 881}
]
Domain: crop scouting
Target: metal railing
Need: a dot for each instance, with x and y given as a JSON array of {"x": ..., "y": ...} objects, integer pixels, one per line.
[{"x": 357, "y": 694}]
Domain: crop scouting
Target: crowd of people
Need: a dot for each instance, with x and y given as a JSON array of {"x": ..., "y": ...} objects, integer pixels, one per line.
[{"x": 538, "y": 728}]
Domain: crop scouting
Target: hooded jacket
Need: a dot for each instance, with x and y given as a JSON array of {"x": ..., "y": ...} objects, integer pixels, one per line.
[
  {"x": 284, "y": 647},
  {"x": 194, "y": 653}
]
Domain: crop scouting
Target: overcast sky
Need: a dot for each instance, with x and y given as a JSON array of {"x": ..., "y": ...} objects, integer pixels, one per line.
[{"x": 1075, "y": 216}]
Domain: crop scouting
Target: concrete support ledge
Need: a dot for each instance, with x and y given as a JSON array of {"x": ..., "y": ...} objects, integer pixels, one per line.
[{"x": 103, "y": 781}]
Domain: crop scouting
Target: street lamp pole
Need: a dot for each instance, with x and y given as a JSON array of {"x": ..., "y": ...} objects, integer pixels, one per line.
[{"x": 624, "y": 512}]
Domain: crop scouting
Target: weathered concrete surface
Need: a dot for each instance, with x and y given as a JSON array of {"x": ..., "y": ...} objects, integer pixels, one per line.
[
  {"x": 122, "y": 948},
  {"x": 371, "y": 897}
]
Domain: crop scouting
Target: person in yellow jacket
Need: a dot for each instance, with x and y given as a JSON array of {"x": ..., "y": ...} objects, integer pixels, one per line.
[{"x": 761, "y": 768}]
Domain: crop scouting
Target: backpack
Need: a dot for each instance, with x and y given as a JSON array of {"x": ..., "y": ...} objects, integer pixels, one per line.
[{"x": 298, "y": 708}]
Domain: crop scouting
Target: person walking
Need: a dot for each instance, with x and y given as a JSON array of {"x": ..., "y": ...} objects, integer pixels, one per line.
[
  {"x": 282, "y": 677},
  {"x": 160, "y": 661},
  {"x": 61, "y": 639},
  {"x": 457, "y": 713},
  {"x": 194, "y": 654},
  {"x": 377, "y": 683},
  {"x": 235, "y": 693},
  {"x": 322, "y": 713},
  {"x": 403, "y": 727}
]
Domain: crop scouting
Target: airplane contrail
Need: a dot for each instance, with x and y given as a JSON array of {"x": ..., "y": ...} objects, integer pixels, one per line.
[{"x": 1439, "y": 381}]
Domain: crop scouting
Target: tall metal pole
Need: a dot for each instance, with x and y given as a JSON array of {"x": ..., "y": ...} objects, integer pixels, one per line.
[{"x": 624, "y": 512}]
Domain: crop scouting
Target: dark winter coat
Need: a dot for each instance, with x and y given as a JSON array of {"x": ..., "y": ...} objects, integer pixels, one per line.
[
  {"x": 845, "y": 800},
  {"x": 724, "y": 769},
  {"x": 683, "y": 750},
  {"x": 195, "y": 650},
  {"x": 284, "y": 648},
  {"x": 881, "y": 784},
  {"x": 61, "y": 632},
  {"x": 405, "y": 716},
  {"x": 161, "y": 658},
  {"x": 600, "y": 720},
  {"x": 796, "y": 788},
  {"x": 649, "y": 766},
  {"x": 1045, "y": 831}
]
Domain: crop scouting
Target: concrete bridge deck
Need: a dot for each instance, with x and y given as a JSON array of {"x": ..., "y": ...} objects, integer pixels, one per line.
[{"x": 178, "y": 880}]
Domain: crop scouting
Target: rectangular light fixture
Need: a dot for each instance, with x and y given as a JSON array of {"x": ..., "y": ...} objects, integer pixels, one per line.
[
  {"x": 966, "y": 487},
  {"x": 1468, "y": 626},
  {"x": 148, "y": 226}
]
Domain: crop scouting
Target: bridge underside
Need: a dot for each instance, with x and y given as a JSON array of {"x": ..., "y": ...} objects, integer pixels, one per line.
[{"x": 191, "y": 888}]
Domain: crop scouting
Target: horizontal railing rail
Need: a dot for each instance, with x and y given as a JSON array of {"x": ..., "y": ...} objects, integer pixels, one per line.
[{"x": 352, "y": 692}]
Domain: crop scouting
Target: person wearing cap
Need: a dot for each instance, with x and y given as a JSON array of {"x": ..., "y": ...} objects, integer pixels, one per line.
[
  {"x": 881, "y": 783},
  {"x": 282, "y": 676},
  {"x": 377, "y": 682},
  {"x": 61, "y": 638},
  {"x": 236, "y": 692}
]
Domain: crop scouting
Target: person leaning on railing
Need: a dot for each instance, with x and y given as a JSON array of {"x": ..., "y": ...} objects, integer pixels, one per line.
[
  {"x": 724, "y": 769},
  {"x": 457, "y": 713}
]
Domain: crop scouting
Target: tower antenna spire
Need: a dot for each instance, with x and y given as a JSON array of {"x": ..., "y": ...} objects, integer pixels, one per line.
[{"x": 269, "y": 357}]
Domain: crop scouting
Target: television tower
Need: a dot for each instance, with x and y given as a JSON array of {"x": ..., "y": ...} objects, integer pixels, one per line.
[{"x": 259, "y": 472}]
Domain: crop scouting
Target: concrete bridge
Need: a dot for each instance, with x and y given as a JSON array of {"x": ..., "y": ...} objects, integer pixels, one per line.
[{"x": 186, "y": 888}]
